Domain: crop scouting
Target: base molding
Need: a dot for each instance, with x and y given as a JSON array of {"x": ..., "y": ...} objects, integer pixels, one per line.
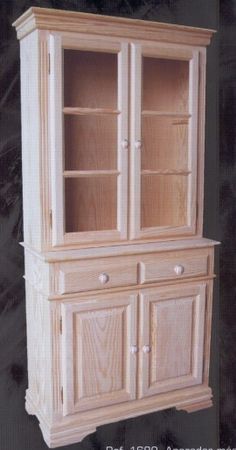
[
  {"x": 73, "y": 429},
  {"x": 197, "y": 406}
]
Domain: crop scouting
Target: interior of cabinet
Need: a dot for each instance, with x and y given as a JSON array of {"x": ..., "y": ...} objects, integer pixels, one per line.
[
  {"x": 165, "y": 137},
  {"x": 90, "y": 140}
]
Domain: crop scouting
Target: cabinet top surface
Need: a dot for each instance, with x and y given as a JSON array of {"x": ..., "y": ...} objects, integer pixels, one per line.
[{"x": 72, "y": 21}]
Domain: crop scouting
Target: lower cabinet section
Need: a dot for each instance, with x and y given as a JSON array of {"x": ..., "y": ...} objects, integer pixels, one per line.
[
  {"x": 116, "y": 356},
  {"x": 120, "y": 347}
]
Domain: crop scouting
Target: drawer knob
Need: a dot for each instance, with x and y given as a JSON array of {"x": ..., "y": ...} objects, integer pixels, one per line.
[
  {"x": 179, "y": 269},
  {"x": 134, "y": 349},
  {"x": 146, "y": 349},
  {"x": 103, "y": 278}
]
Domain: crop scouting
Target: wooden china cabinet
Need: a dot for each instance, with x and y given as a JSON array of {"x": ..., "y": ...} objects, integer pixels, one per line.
[{"x": 118, "y": 276}]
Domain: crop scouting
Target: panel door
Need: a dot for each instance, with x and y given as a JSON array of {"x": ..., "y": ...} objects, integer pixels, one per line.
[
  {"x": 89, "y": 139},
  {"x": 164, "y": 122},
  {"x": 172, "y": 338},
  {"x": 98, "y": 361}
]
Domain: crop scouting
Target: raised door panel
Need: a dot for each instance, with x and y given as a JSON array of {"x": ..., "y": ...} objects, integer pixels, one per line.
[
  {"x": 88, "y": 139},
  {"x": 99, "y": 367},
  {"x": 172, "y": 338},
  {"x": 164, "y": 124}
]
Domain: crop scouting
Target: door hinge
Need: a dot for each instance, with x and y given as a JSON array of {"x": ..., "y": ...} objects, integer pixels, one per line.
[
  {"x": 49, "y": 63},
  {"x": 62, "y": 398},
  {"x": 50, "y": 218},
  {"x": 60, "y": 325}
]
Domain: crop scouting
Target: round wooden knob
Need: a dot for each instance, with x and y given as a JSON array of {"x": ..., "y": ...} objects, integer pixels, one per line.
[
  {"x": 134, "y": 349},
  {"x": 138, "y": 145},
  {"x": 103, "y": 278},
  {"x": 146, "y": 349},
  {"x": 179, "y": 269},
  {"x": 125, "y": 144}
]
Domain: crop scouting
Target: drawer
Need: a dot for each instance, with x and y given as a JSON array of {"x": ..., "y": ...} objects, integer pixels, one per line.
[
  {"x": 174, "y": 265},
  {"x": 95, "y": 274}
]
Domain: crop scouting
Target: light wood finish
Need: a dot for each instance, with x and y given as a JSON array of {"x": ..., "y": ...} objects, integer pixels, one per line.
[
  {"x": 162, "y": 267},
  {"x": 162, "y": 206},
  {"x": 100, "y": 368},
  {"x": 88, "y": 252},
  {"x": 90, "y": 79},
  {"x": 119, "y": 280},
  {"x": 165, "y": 84},
  {"x": 91, "y": 111},
  {"x": 83, "y": 276},
  {"x": 164, "y": 144},
  {"x": 42, "y": 18},
  {"x": 172, "y": 324}
]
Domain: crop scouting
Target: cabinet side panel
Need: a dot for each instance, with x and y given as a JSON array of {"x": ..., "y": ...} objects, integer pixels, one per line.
[
  {"x": 30, "y": 118},
  {"x": 39, "y": 352}
]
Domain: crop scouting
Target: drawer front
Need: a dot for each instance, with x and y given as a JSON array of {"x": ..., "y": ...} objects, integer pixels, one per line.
[
  {"x": 99, "y": 274},
  {"x": 173, "y": 266}
]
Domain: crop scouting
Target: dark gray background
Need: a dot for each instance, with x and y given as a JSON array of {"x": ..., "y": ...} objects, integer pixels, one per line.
[{"x": 18, "y": 431}]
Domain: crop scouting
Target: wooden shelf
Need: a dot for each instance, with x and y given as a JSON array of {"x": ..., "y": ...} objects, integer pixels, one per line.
[
  {"x": 165, "y": 172},
  {"x": 166, "y": 114},
  {"x": 90, "y": 173},
  {"x": 91, "y": 111}
]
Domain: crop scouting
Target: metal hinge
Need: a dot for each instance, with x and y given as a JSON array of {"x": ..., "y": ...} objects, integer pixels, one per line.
[
  {"x": 49, "y": 64},
  {"x": 60, "y": 325},
  {"x": 62, "y": 397},
  {"x": 50, "y": 217}
]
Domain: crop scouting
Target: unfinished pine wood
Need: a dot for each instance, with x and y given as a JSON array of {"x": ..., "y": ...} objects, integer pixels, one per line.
[
  {"x": 114, "y": 330},
  {"x": 165, "y": 266},
  {"x": 100, "y": 368},
  {"x": 91, "y": 204},
  {"x": 90, "y": 79},
  {"x": 90, "y": 142},
  {"x": 174, "y": 337},
  {"x": 164, "y": 143},
  {"x": 165, "y": 85},
  {"x": 164, "y": 201}
]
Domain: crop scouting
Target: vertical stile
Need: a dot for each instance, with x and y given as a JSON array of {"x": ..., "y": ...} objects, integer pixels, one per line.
[
  {"x": 135, "y": 135},
  {"x": 193, "y": 141},
  {"x": 122, "y": 136},
  {"x": 56, "y": 138}
]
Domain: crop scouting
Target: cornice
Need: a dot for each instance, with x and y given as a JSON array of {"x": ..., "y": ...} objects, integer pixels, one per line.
[{"x": 71, "y": 21}]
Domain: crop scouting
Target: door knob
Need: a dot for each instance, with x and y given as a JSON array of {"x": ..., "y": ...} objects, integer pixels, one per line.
[
  {"x": 134, "y": 349},
  {"x": 146, "y": 349},
  {"x": 125, "y": 144},
  {"x": 179, "y": 269},
  {"x": 138, "y": 145},
  {"x": 103, "y": 278}
]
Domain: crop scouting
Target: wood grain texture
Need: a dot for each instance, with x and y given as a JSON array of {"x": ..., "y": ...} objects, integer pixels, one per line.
[
  {"x": 99, "y": 370},
  {"x": 113, "y": 26},
  {"x": 165, "y": 84},
  {"x": 176, "y": 351},
  {"x": 90, "y": 79}
]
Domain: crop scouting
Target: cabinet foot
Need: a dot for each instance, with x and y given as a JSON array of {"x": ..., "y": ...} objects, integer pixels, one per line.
[{"x": 195, "y": 406}]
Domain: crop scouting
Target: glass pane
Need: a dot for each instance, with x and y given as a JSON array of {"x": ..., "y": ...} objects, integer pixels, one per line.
[
  {"x": 90, "y": 204},
  {"x": 90, "y": 142},
  {"x": 165, "y": 143},
  {"x": 163, "y": 200},
  {"x": 90, "y": 79},
  {"x": 165, "y": 85}
]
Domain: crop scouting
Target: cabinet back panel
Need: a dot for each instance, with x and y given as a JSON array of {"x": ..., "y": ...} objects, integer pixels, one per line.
[
  {"x": 165, "y": 85},
  {"x": 165, "y": 143},
  {"x": 91, "y": 204},
  {"x": 164, "y": 200},
  {"x": 90, "y": 79},
  {"x": 90, "y": 142}
]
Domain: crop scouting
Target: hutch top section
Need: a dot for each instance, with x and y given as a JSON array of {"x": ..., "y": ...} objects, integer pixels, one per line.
[
  {"x": 60, "y": 20},
  {"x": 112, "y": 129}
]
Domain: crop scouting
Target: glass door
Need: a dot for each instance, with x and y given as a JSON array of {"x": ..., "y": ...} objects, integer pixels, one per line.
[
  {"x": 163, "y": 141},
  {"x": 90, "y": 96}
]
